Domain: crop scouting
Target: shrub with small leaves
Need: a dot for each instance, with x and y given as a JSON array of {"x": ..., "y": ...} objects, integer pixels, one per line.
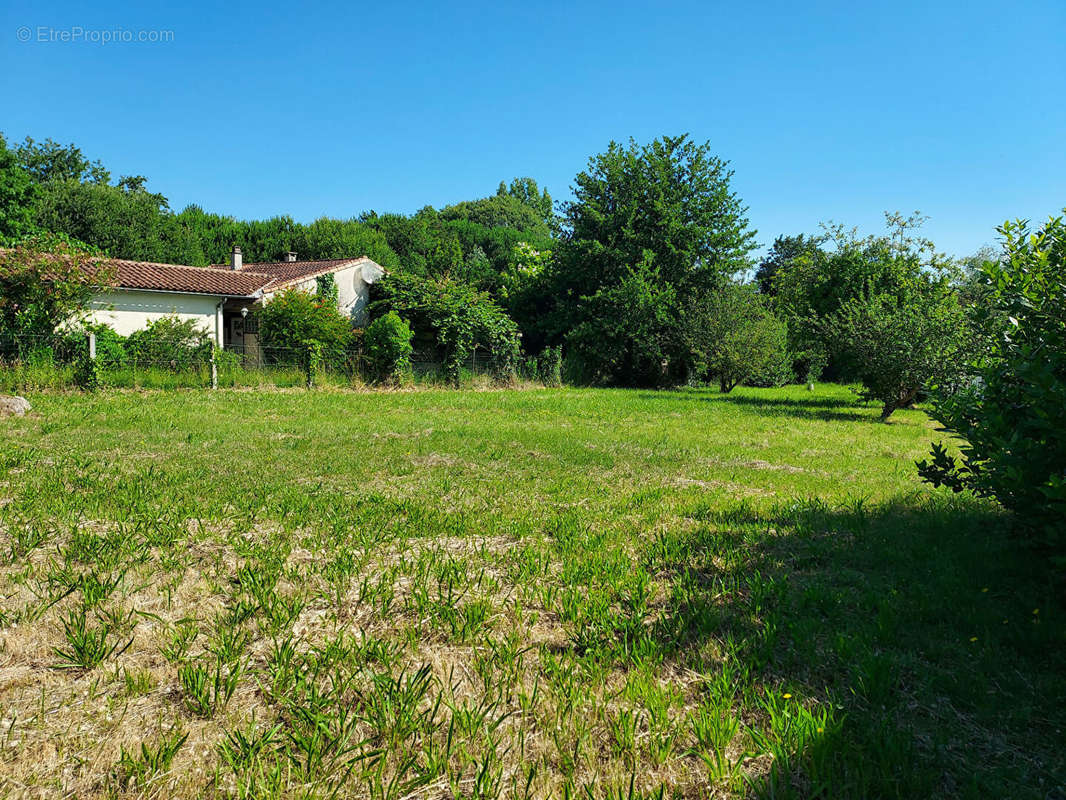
[
  {"x": 293, "y": 318},
  {"x": 550, "y": 366},
  {"x": 388, "y": 349},
  {"x": 459, "y": 317},
  {"x": 170, "y": 342},
  {"x": 1012, "y": 406}
]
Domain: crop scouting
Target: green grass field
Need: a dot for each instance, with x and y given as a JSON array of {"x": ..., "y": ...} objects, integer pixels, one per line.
[{"x": 583, "y": 593}]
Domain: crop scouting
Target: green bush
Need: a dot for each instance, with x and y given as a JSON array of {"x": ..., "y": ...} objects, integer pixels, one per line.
[
  {"x": 902, "y": 343},
  {"x": 110, "y": 346},
  {"x": 387, "y": 343},
  {"x": 741, "y": 339},
  {"x": 627, "y": 332},
  {"x": 169, "y": 342},
  {"x": 460, "y": 319},
  {"x": 1012, "y": 408},
  {"x": 775, "y": 370},
  {"x": 293, "y": 320},
  {"x": 45, "y": 282},
  {"x": 550, "y": 366}
]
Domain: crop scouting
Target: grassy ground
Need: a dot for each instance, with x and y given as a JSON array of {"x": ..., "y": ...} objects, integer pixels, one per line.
[{"x": 601, "y": 594}]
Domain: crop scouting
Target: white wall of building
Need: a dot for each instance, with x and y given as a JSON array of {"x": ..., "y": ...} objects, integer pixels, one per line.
[{"x": 127, "y": 310}]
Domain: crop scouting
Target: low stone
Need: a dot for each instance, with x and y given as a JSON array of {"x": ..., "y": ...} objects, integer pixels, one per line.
[{"x": 13, "y": 406}]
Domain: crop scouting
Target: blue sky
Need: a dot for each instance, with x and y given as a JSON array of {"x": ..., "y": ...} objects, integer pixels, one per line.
[{"x": 827, "y": 110}]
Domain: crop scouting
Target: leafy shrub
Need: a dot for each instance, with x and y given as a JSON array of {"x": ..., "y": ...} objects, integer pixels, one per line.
[
  {"x": 741, "y": 338},
  {"x": 387, "y": 343},
  {"x": 550, "y": 366},
  {"x": 902, "y": 343},
  {"x": 295, "y": 319},
  {"x": 87, "y": 373},
  {"x": 110, "y": 346},
  {"x": 809, "y": 363},
  {"x": 776, "y": 370},
  {"x": 627, "y": 331},
  {"x": 456, "y": 315},
  {"x": 169, "y": 342},
  {"x": 45, "y": 281},
  {"x": 1013, "y": 410}
]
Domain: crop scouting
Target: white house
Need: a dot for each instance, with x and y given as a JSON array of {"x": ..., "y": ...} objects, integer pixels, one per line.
[{"x": 220, "y": 297}]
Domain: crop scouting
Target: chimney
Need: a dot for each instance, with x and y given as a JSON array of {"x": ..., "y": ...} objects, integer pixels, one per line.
[
  {"x": 290, "y": 256},
  {"x": 236, "y": 260}
]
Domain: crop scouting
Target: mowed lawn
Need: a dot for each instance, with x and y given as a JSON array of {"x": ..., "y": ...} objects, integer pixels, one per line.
[{"x": 583, "y": 593}]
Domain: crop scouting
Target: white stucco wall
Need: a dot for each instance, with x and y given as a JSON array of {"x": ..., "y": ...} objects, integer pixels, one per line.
[{"x": 127, "y": 311}]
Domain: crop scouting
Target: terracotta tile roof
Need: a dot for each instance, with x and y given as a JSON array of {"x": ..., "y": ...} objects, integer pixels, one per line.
[
  {"x": 250, "y": 280},
  {"x": 286, "y": 272},
  {"x": 179, "y": 278}
]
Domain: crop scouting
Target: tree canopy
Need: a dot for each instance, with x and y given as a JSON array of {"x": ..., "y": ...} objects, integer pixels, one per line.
[{"x": 657, "y": 220}]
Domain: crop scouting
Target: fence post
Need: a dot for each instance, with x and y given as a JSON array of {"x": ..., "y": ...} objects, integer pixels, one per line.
[
  {"x": 92, "y": 346},
  {"x": 214, "y": 369}
]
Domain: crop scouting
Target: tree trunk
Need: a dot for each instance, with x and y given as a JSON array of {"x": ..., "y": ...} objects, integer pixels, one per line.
[{"x": 904, "y": 400}]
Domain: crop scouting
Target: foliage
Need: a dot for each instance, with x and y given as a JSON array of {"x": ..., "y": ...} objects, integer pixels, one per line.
[
  {"x": 628, "y": 332},
  {"x": 662, "y": 212},
  {"x": 387, "y": 347},
  {"x": 459, "y": 318},
  {"x": 326, "y": 288},
  {"x": 840, "y": 268},
  {"x": 1012, "y": 411},
  {"x": 125, "y": 222},
  {"x": 783, "y": 253},
  {"x": 110, "y": 346},
  {"x": 550, "y": 366},
  {"x": 293, "y": 319},
  {"x": 902, "y": 344},
  {"x": 527, "y": 265},
  {"x": 87, "y": 373},
  {"x": 499, "y": 211},
  {"x": 531, "y": 195},
  {"x": 45, "y": 282},
  {"x": 742, "y": 339},
  {"x": 17, "y": 195},
  {"x": 51, "y": 161},
  {"x": 457, "y": 243},
  {"x": 169, "y": 341}
]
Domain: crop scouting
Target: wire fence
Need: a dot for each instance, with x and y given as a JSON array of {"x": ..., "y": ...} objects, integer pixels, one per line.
[{"x": 64, "y": 361}]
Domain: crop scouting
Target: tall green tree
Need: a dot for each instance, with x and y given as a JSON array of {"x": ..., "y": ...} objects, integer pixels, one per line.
[
  {"x": 18, "y": 193},
  {"x": 527, "y": 192},
  {"x": 125, "y": 222},
  {"x": 818, "y": 282},
  {"x": 666, "y": 206},
  {"x": 783, "y": 253},
  {"x": 629, "y": 331},
  {"x": 51, "y": 161},
  {"x": 499, "y": 211}
]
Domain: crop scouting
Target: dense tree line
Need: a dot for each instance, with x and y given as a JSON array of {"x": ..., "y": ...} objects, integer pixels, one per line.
[{"x": 46, "y": 186}]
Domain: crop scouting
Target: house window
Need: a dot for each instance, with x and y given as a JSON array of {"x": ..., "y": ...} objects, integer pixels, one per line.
[{"x": 251, "y": 324}]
